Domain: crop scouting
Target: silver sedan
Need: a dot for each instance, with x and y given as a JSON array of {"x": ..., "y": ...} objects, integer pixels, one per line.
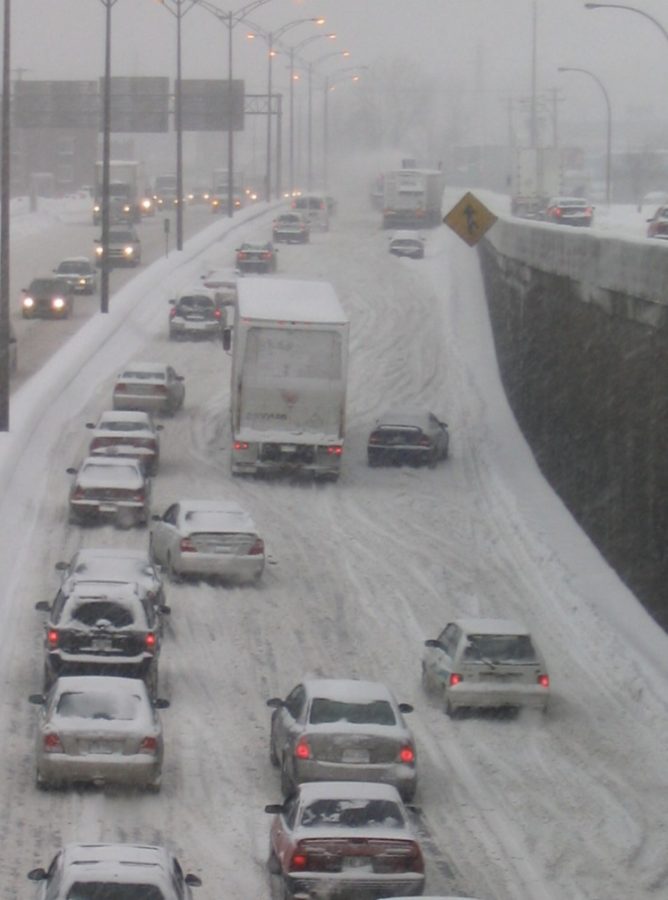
[
  {"x": 99, "y": 729},
  {"x": 214, "y": 538}
]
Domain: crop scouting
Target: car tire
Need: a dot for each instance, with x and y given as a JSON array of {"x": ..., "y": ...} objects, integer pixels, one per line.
[
  {"x": 174, "y": 576},
  {"x": 153, "y": 787},
  {"x": 452, "y": 711},
  {"x": 373, "y": 461},
  {"x": 273, "y": 755},
  {"x": 426, "y": 682},
  {"x": 407, "y": 792},
  {"x": 41, "y": 784},
  {"x": 152, "y": 682}
]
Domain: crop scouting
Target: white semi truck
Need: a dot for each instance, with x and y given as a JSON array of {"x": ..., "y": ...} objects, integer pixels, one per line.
[
  {"x": 289, "y": 375},
  {"x": 537, "y": 175},
  {"x": 412, "y": 198},
  {"x": 128, "y": 198}
]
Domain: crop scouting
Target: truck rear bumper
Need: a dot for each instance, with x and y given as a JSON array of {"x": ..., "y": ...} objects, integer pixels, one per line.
[{"x": 320, "y": 460}]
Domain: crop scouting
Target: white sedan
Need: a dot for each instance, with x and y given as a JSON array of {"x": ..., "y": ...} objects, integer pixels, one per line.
[
  {"x": 211, "y": 538},
  {"x": 129, "y": 433}
]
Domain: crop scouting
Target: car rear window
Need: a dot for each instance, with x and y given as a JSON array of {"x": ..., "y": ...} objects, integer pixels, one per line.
[
  {"x": 99, "y": 612},
  {"x": 352, "y": 814},
  {"x": 99, "y": 890},
  {"x": 143, "y": 376},
  {"x": 376, "y": 712},
  {"x": 123, "y": 426},
  {"x": 195, "y": 303},
  {"x": 501, "y": 648},
  {"x": 103, "y": 705}
]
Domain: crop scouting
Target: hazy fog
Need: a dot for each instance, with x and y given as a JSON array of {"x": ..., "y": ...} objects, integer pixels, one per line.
[{"x": 477, "y": 50}]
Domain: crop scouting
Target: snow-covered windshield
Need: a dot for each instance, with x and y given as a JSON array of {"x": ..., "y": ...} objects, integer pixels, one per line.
[
  {"x": 352, "y": 814},
  {"x": 97, "y": 890},
  {"x": 98, "y": 705}
]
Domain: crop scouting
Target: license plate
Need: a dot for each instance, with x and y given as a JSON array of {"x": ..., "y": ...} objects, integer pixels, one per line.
[
  {"x": 288, "y": 448},
  {"x": 356, "y": 862},
  {"x": 356, "y": 756},
  {"x": 101, "y": 644},
  {"x": 107, "y": 508},
  {"x": 100, "y": 747}
]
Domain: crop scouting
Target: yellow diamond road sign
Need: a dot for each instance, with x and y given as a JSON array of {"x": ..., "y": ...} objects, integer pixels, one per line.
[{"x": 470, "y": 219}]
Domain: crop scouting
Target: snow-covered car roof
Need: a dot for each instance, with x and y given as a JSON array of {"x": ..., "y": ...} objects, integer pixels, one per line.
[
  {"x": 110, "y": 471},
  {"x": 122, "y": 420},
  {"x": 569, "y": 201},
  {"x": 197, "y": 290},
  {"x": 220, "y": 277},
  {"x": 491, "y": 626},
  {"x": 113, "y": 701},
  {"x": 214, "y": 515},
  {"x": 76, "y": 261},
  {"x": 348, "y": 690},
  {"x": 119, "y": 863},
  {"x": 407, "y": 236},
  {"x": 144, "y": 371}
]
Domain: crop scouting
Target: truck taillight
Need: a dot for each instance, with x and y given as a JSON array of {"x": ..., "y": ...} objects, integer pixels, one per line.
[
  {"x": 241, "y": 445},
  {"x": 335, "y": 450}
]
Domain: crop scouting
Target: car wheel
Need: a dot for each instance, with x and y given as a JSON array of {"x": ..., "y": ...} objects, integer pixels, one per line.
[
  {"x": 273, "y": 755},
  {"x": 426, "y": 682},
  {"x": 48, "y": 679},
  {"x": 287, "y": 781},
  {"x": 407, "y": 792},
  {"x": 372, "y": 460},
  {"x": 433, "y": 460},
  {"x": 153, "y": 787},
  {"x": 452, "y": 711},
  {"x": 152, "y": 681},
  {"x": 174, "y": 576}
]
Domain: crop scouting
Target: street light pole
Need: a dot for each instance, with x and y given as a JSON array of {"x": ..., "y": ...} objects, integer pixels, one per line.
[
  {"x": 641, "y": 12},
  {"x": 329, "y": 85},
  {"x": 608, "y": 153},
  {"x": 310, "y": 66},
  {"x": 106, "y": 156},
  {"x": 4, "y": 222},
  {"x": 229, "y": 20}
]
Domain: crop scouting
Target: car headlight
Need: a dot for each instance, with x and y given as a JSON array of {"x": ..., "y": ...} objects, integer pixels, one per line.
[
  {"x": 83, "y": 280},
  {"x": 28, "y": 302},
  {"x": 99, "y": 251},
  {"x": 146, "y": 204},
  {"x": 58, "y": 303},
  {"x": 128, "y": 251},
  {"x": 96, "y": 208}
]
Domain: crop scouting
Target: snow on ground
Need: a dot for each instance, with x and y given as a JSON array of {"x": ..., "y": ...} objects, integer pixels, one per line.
[{"x": 568, "y": 806}]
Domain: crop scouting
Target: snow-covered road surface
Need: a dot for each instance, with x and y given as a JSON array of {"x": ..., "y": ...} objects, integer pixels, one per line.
[{"x": 568, "y": 806}]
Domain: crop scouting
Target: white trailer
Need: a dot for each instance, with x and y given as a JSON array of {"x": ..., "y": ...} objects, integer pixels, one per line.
[
  {"x": 537, "y": 175},
  {"x": 289, "y": 374},
  {"x": 412, "y": 198}
]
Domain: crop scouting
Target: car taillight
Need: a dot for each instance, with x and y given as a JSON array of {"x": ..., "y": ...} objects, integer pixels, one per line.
[
  {"x": 588, "y": 211},
  {"x": 121, "y": 389},
  {"x": 266, "y": 255},
  {"x": 98, "y": 443},
  {"x": 425, "y": 442},
  {"x": 302, "y": 749},
  {"x": 241, "y": 445},
  {"x": 543, "y": 681},
  {"x": 139, "y": 496},
  {"x": 298, "y": 861},
  {"x": 172, "y": 312},
  {"x": 241, "y": 256},
  {"x": 374, "y": 439},
  {"x": 257, "y": 549},
  {"x": 160, "y": 389},
  {"x": 79, "y": 494},
  {"x": 52, "y": 637},
  {"x": 415, "y": 860},
  {"x": 150, "y": 641},
  {"x": 557, "y": 211},
  {"x": 149, "y": 745},
  {"x": 52, "y": 743},
  {"x": 335, "y": 451},
  {"x": 186, "y": 545},
  {"x": 407, "y": 754},
  {"x": 455, "y": 678},
  {"x": 217, "y": 313}
]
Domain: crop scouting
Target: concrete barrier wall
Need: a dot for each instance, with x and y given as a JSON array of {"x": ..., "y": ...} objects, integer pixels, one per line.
[{"x": 581, "y": 331}]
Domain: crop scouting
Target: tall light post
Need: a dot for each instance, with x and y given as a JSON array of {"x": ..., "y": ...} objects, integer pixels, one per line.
[
  {"x": 291, "y": 141},
  {"x": 4, "y": 222},
  {"x": 330, "y": 82},
  {"x": 181, "y": 7},
  {"x": 608, "y": 153},
  {"x": 229, "y": 20},
  {"x": 270, "y": 37},
  {"x": 641, "y": 12},
  {"x": 311, "y": 65},
  {"x": 106, "y": 156}
]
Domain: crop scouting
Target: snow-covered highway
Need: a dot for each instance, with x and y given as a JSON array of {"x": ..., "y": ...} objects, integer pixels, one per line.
[{"x": 570, "y": 806}]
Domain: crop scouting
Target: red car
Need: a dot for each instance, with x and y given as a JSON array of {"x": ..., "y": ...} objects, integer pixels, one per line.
[
  {"x": 341, "y": 838},
  {"x": 570, "y": 211},
  {"x": 658, "y": 225}
]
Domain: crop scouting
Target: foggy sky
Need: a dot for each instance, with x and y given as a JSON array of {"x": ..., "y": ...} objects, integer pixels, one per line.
[{"x": 477, "y": 48}]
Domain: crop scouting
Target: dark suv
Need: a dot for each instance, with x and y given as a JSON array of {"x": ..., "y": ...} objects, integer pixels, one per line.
[
  {"x": 47, "y": 298},
  {"x": 101, "y": 628},
  {"x": 196, "y": 315}
]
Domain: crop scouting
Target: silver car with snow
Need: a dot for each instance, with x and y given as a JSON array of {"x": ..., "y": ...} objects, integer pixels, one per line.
[
  {"x": 210, "y": 538},
  {"x": 486, "y": 663},
  {"x": 108, "y": 487},
  {"x": 99, "y": 729},
  {"x": 129, "y": 433},
  {"x": 342, "y": 730},
  {"x": 117, "y": 564}
]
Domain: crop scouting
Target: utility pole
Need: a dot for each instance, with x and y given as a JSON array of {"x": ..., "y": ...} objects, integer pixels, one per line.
[{"x": 4, "y": 222}]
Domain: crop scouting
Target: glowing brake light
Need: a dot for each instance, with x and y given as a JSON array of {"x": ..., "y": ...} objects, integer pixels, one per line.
[
  {"x": 52, "y": 637},
  {"x": 455, "y": 678},
  {"x": 543, "y": 681},
  {"x": 407, "y": 754},
  {"x": 150, "y": 641},
  {"x": 217, "y": 314},
  {"x": 241, "y": 445},
  {"x": 302, "y": 749},
  {"x": 187, "y": 546},
  {"x": 298, "y": 861},
  {"x": 149, "y": 745},
  {"x": 257, "y": 549},
  {"x": 335, "y": 451},
  {"x": 52, "y": 743}
]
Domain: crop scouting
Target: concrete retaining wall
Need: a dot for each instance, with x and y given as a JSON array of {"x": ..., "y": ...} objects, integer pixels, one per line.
[{"x": 581, "y": 330}]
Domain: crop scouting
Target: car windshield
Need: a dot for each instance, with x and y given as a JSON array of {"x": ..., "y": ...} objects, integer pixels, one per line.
[
  {"x": 496, "y": 648},
  {"x": 74, "y": 268},
  {"x": 201, "y": 303},
  {"x": 45, "y": 286},
  {"x": 376, "y": 712},
  {"x": 101, "y": 612},
  {"x": 99, "y": 890},
  {"x": 98, "y": 705},
  {"x": 352, "y": 814}
]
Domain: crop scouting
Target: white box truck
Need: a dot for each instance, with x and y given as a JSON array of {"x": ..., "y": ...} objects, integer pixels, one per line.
[
  {"x": 536, "y": 176},
  {"x": 289, "y": 374},
  {"x": 128, "y": 199},
  {"x": 412, "y": 198}
]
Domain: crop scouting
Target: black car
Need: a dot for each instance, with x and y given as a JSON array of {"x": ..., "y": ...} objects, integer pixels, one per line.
[
  {"x": 196, "y": 314},
  {"x": 101, "y": 628},
  {"x": 256, "y": 257},
  {"x": 417, "y": 438},
  {"x": 51, "y": 298}
]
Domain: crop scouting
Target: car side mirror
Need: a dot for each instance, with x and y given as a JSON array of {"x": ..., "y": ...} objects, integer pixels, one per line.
[
  {"x": 43, "y": 606},
  {"x": 37, "y": 699},
  {"x": 71, "y": 470},
  {"x": 90, "y": 424},
  {"x": 275, "y": 703},
  {"x": 405, "y": 708},
  {"x": 61, "y": 566},
  {"x": 274, "y": 808},
  {"x": 227, "y": 338},
  {"x": 193, "y": 880},
  {"x": 172, "y": 302},
  {"x": 37, "y": 874},
  {"x": 434, "y": 644},
  {"x": 156, "y": 518},
  {"x": 165, "y": 610},
  {"x": 161, "y": 703},
  {"x": 159, "y": 427}
]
